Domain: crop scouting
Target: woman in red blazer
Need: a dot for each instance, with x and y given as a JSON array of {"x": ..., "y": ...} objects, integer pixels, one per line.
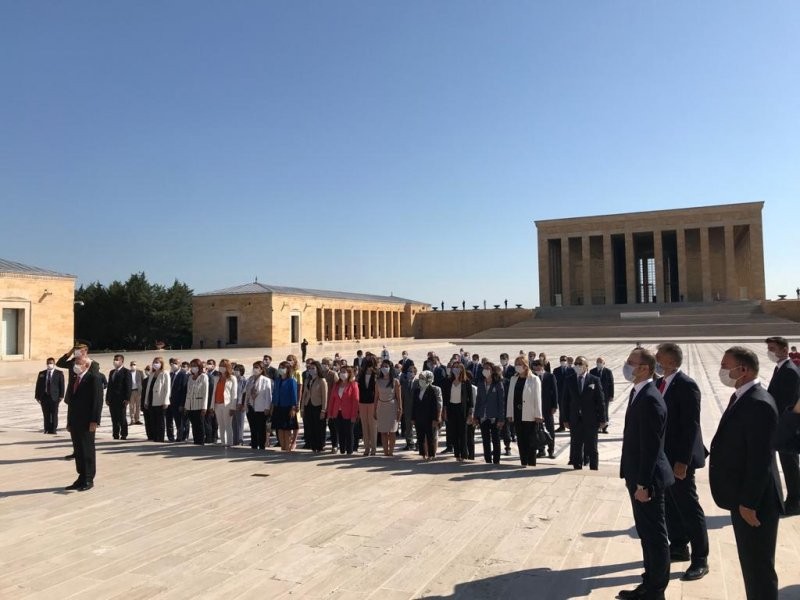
[{"x": 343, "y": 408}]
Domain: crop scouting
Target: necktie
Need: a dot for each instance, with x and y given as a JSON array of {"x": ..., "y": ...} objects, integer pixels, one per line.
[
  {"x": 662, "y": 384},
  {"x": 732, "y": 400},
  {"x": 47, "y": 385},
  {"x": 630, "y": 398},
  {"x": 76, "y": 384},
  {"x": 580, "y": 383},
  {"x": 775, "y": 371}
]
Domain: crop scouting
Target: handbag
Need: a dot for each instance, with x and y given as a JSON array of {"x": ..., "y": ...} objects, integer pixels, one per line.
[
  {"x": 543, "y": 438},
  {"x": 787, "y": 434}
]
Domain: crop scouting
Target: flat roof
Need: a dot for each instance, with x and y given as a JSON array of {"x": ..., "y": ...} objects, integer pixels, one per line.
[
  {"x": 261, "y": 288},
  {"x": 10, "y": 267}
]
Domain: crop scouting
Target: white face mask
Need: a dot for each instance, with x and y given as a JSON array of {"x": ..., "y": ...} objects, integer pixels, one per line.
[
  {"x": 195, "y": 370},
  {"x": 600, "y": 365},
  {"x": 772, "y": 356},
  {"x": 385, "y": 370},
  {"x": 50, "y": 366},
  {"x": 659, "y": 370},
  {"x": 519, "y": 369},
  {"x": 282, "y": 370},
  {"x": 627, "y": 372},
  {"x": 423, "y": 384},
  {"x": 726, "y": 378},
  {"x": 117, "y": 364},
  {"x": 563, "y": 363},
  {"x": 487, "y": 373},
  {"x": 223, "y": 370},
  {"x": 174, "y": 367},
  {"x": 343, "y": 376},
  {"x": 455, "y": 371},
  {"x": 77, "y": 369},
  {"x": 580, "y": 369}
]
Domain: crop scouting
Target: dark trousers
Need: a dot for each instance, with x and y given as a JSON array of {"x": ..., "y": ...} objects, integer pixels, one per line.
[
  {"x": 211, "y": 426},
  {"x": 174, "y": 422},
  {"x": 83, "y": 447},
  {"x": 332, "y": 429},
  {"x": 583, "y": 443},
  {"x": 756, "y": 548},
  {"x": 505, "y": 435},
  {"x": 198, "y": 426},
  {"x": 344, "y": 434},
  {"x": 549, "y": 424},
  {"x": 148, "y": 422},
  {"x": 119, "y": 420},
  {"x": 50, "y": 415},
  {"x": 606, "y": 400},
  {"x": 157, "y": 424},
  {"x": 426, "y": 439},
  {"x": 652, "y": 530},
  {"x": 790, "y": 463},
  {"x": 686, "y": 521},
  {"x": 490, "y": 436},
  {"x": 258, "y": 429},
  {"x": 526, "y": 442},
  {"x": 314, "y": 432},
  {"x": 471, "y": 442},
  {"x": 457, "y": 431},
  {"x": 563, "y": 410},
  {"x": 407, "y": 424}
]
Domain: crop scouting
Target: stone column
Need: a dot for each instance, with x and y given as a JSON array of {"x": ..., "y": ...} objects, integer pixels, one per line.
[
  {"x": 399, "y": 324},
  {"x": 658, "y": 252},
  {"x": 705, "y": 265},
  {"x": 566, "y": 293},
  {"x": 544, "y": 272},
  {"x": 683, "y": 279},
  {"x": 608, "y": 268},
  {"x": 731, "y": 282},
  {"x": 382, "y": 320},
  {"x": 757, "y": 288},
  {"x": 630, "y": 268},
  {"x": 369, "y": 325},
  {"x": 322, "y": 324},
  {"x": 390, "y": 314},
  {"x": 587, "y": 270}
]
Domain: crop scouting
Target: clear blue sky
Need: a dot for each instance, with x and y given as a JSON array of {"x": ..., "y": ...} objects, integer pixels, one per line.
[{"x": 382, "y": 147}]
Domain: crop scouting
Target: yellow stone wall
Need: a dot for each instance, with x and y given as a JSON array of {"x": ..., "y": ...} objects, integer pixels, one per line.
[
  {"x": 49, "y": 321},
  {"x": 462, "y": 323},
  {"x": 786, "y": 309}
]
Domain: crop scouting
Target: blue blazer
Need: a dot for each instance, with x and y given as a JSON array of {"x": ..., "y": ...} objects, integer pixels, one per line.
[
  {"x": 684, "y": 439},
  {"x": 643, "y": 459},
  {"x": 492, "y": 399}
]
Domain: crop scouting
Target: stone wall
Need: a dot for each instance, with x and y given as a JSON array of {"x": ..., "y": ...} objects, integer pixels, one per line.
[
  {"x": 210, "y": 324},
  {"x": 786, "y": 309},
  {"x": 463, "y": 323},
  {"x": 47, "y": 303}
]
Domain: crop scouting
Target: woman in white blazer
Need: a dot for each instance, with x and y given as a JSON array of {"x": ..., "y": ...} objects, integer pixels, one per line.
[
  {"x": 258, "y": 396},
  {"x": 196, "y": 398},
  {"x": 224, "y": 399},
  {"x": 524, "y": 409},
  {"x": 156, "y": 397}
]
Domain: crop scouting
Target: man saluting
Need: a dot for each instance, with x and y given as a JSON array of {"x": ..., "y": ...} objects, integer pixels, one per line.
[{"x": 83, "y": 417}]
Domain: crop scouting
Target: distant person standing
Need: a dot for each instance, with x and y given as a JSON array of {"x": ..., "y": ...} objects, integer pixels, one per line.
[
  {"x": 606, "y": 378},
  {"x": 490, "y": 411},
  {"x": 49, "y": 393},
  {"x": 304, "y": 349},
  {"x": 134, "y": 406},
  {"x": 549, "y": 406},
  {"x": 156, "y": 398},
  {"x": 794, "y": 356},
  {"x": 118, "y": 394},
  {"x": 524, "y": 409},
  {"x": 388, "y": 406},
  {"x": 80, "y": 350},
  {"x": 426, "y": 414},
  {"x": 83, "y": 417},
  {"x": 196, "y": 399},
  {"x": 586, "y": 414},
  {"x": 560, "y": 373},
  {"x": 225, "y": 394},
  {"x": 174, "y": 413},
  {"x": 258, "y": 397}
]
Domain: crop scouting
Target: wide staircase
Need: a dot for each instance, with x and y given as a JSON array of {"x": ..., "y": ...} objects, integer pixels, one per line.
[{"x": 726, "y": 320}]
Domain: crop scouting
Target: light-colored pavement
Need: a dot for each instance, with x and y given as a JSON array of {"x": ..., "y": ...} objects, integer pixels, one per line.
[{"x": 178, "y": 521}]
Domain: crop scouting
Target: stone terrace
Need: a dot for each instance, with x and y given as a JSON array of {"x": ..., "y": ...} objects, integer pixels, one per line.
[{"x": 178, "y": 521}]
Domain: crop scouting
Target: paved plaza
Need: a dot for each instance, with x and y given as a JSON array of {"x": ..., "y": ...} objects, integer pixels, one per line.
[{"x": 179, "y": 521}]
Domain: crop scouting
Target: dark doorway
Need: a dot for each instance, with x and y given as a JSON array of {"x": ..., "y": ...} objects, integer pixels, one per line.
[
  {"x": 620, "y": 274},
  {"x": 295, "y": 329},
  {"x": 233, "y": 330}
]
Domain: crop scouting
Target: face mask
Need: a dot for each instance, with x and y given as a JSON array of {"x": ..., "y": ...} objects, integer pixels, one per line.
[
  {"x": 423, "y": 384},
  {"x": 456, "y": 371},
  {"x": 195, "y": 370},
  {"x": 726, "y": 378},
  {"x": 77, "y": 369},
  {"x": 312, "y": 371},
  {"x": 537, "y": 373},
  {"x": 659, "y": 370},
  {"x": 519, "y": 369},
  {"x": 343, "y": 376},
  {"x": 487, "y": 373},
  {"x": 282, "y": 370},
  {"x": 50, "y": 366},
  {"x": 156, "y": 366},
  {"x": 257, "y": 372},
  {"x": 174, "y": 367},
  {"x": 266, "y": 364},
  {"x": 563, "y": 363},
  {"x": 223, "y": 370},
  {"x": 405, "y": 356},
  {"x": 772, "y": 356},
  {"x": 580, "y": 369},
  {"x": 600, "y": 365},
  {"x": 117, "y": 364},
  {"x": 627, "y": 372}
]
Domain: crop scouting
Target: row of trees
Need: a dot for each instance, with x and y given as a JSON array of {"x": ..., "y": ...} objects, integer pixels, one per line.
[{"x": 134, "y": 315}]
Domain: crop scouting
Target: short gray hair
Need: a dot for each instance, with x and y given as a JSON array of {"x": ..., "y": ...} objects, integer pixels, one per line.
[{"x": 426, "y": 376}]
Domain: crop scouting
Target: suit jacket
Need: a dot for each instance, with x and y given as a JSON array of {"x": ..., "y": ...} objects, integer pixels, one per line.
[
  {"x": 56, "y": 386},
  {"x": 586, "y": 404},
  {"x": 137, "y": 380},
  {"x": 643, "y": 459},
  {"x": 560, "y": 373},
  {"x": 271, "y": 372},
  {"x": 179, "y": 386},
  {"x": 606, "y": 381},
  {"x": 683, "y": 442},
  {"x": 742, "y": 466},
  {"x": 119, "y": 386},
  {"x": 784, "y": 387},
  {"x": 549, "y": 393},
  {"x": 86, "y": 403},
  {"x": 65, "y": 362}
]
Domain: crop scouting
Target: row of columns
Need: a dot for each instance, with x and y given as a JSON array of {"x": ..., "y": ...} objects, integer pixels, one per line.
[
  {"x": 731, "y": 282},
  {"x": 351, "y": 323}
]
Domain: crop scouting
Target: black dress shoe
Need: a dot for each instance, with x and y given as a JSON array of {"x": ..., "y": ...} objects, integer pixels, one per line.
[
  {"x": 70, "y": 456},
  {"x": 85, "y": 487},
  {"x": 540, "y": 454},
  {"x": 633, "y": 594},
  {"x": 679, "y": 554},
  {"x": 695, "y": 571},
  {"x": 551, "y": 455},
  {"x": 74, "y": 486},
  {"x": 604, "y": 430},
  {"x": 560, "y": 429},
  {"x": 124, "y": 437}
]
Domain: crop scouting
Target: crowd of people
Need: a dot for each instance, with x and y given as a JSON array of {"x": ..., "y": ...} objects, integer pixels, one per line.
[{"x": 344, "y": 406}]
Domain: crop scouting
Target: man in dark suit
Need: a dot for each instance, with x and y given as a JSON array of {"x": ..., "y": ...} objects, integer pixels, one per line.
[
  {"x": 560, "y": 373},
  {"x": 210, "y": 420},
  {"x": 549, "y": 405},
  {"x": 174, "y": 414},
  {"x": 606, "y": 383},
  {"x": 80, "y": 349},
  {"x": 784, "y": 387},
  {"x": 118, "y": 394},
  {"x": 743, "y": 472},
  {"x": 48, "y": 393},
  {"x": 83, "y": 417},
  {"x": 645, "y": 469},
  {"x": 358, "y": 360},
  {"x": 269, "y": 370},
  {"x": 586, "y": 407},
  {"x": 683, "y": 445}
]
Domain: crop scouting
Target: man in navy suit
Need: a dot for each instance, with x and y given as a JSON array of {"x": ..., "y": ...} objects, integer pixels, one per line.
[
  {"x": 586, "y": 408},
  {"x": 83, "y": 417},
  {"x": 607, "y": 383},
  {"x": 49, "y": 393},
  {"x": 179, "y": 380},
  {"x": 645, "y": 469},
  {"x": 118, "y": 394},
  {"x": 784, "y": 387},
  {"x": 743, "y": 472},
  {"x": 560, "y": 373},
  {"x": 683, "y": 445}
]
